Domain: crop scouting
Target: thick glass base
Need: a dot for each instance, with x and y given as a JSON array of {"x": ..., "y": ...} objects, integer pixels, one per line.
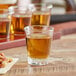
[{"x": 33, "y": 61}]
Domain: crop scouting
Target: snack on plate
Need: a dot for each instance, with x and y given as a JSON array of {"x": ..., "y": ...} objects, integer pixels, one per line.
[{"x": 4, "y": 60}]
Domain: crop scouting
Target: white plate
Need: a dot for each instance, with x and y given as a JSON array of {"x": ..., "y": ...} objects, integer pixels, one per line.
[{"x": 8, "y": 67}]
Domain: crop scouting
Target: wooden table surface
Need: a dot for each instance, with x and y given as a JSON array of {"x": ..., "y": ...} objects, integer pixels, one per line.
[{"x": 64, "y": 55}]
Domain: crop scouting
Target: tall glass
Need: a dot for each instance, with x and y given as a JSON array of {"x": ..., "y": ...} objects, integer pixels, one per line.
[
  {"x": 39, "y": 41},
  {"x": 20, "y": 18},
  {"x": 41, "y": 14},
  {"x": 4, "y": 24}
]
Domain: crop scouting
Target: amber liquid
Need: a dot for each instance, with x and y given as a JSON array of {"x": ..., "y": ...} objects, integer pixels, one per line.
[
  {"x": 40, "y": 19},
  {"x": 38, "y": 46},
  {"x": 4, "y": 29},
  {"x": 18, "y": 23}
]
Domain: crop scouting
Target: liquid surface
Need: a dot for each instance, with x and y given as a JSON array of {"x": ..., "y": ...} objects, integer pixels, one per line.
[
  {"x": 18, "y": 24},
  {"x": 38, "y": 46},
  {"x": 4, "y": 28},
  {"x": 40, "y": 19}
]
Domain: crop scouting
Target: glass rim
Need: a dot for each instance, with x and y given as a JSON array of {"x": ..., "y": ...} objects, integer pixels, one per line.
[
  {"x": 50, "y": 5},
  {"x": 12, "y": 8},
  {"x": 17, "y": 10},
  {"x": 50, "y": 27}
]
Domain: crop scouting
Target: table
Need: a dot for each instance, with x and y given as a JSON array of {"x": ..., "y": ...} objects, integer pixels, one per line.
[{"x": 63, "y": 49}]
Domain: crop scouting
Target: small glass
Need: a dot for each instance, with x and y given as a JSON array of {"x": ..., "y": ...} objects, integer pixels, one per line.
[
  {"x": 20, "y": 18},
  {"x": 41, "y": 14},
  {"x": 4, "y": 24},
  {"x": 38, "y": 41}
]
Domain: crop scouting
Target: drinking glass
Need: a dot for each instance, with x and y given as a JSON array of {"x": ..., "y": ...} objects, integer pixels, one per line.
[
  {"x": 41, "y": 14},
  {"x": 20, "y": 18},
  {"x": 4, "y": 24},
  {"x": 38, "y": 41}
]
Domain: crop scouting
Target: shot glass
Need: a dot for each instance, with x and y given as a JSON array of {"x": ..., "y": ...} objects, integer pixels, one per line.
[
  {"x": 38, "y": 41},
  {"x": 41, "y": 14},
  {"x": 20, "y": 18},
  {"x": 4, "y": 24}
]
